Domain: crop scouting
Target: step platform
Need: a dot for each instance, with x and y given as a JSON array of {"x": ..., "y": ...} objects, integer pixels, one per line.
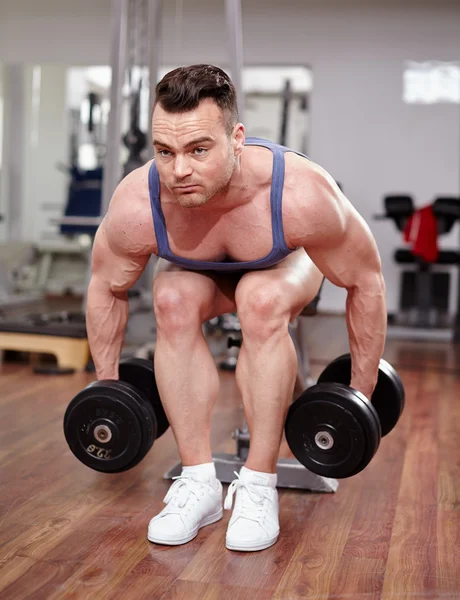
[{"x": 61, "y": 334}]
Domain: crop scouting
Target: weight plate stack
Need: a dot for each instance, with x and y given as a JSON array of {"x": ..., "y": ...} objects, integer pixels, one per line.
[
  {"x": 139, "y": 372},
  {"x": 108, "y": 428},
  {"x": 332, "y": 430}
]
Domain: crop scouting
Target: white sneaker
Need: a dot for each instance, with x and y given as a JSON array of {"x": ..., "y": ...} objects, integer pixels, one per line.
[
  {"x": 254, "y": 524},
  {"x": 190, "y": 505}
]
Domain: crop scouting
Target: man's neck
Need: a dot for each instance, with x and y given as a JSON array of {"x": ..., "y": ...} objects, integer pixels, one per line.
[{"x": 236, "y": 193}]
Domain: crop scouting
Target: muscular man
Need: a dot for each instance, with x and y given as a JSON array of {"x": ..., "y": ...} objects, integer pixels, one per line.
[{"x": 239, "y": 225}]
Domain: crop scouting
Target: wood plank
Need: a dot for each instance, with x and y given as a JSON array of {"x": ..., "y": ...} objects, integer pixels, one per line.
[
  {"x": 411, "y": 567},
  {"x": 37, "y": 582},
  {"x": 449, "y": 455},
  {"x": 448, "y": 518},
  {"x": 365, "y": 554},
  {"x": 11, "y": 570},
  {"x": 143, "y": 586},
  {"x": 311, "y": 569},
  {"x": 36, "y": 419},
  {"x": 42, "y": 535},
  {"x": 357, "y": 578},
  {"x": 115, "y": 554},
  {"x": 193, "y": 590}
]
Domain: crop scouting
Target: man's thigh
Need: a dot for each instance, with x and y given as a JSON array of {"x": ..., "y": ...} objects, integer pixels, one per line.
[
  {"x": 296, "y": 281},
  {"x": 214, "y": 292}
]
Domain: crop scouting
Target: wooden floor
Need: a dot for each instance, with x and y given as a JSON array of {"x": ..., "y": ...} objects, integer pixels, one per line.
[{"x": 393, "y": 531}]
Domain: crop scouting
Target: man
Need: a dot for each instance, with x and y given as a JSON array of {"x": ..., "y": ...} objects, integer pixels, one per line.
[{"x": 249, "y": 228}]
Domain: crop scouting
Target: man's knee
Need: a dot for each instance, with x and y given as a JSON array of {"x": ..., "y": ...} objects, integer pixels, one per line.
[
  {"x": 177, "y": 305},
  {"x": 262, "y": 308}
]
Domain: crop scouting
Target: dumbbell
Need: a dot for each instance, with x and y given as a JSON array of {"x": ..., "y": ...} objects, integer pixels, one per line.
[
  {"x": 111, "y": 425},
  {"x": 334, "y": 430}
]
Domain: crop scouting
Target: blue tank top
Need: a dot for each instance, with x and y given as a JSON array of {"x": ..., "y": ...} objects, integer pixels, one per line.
[{"x": 280, "y": 249}]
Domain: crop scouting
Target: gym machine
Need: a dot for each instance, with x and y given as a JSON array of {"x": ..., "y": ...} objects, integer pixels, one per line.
[{"x": 424, "y": 291}]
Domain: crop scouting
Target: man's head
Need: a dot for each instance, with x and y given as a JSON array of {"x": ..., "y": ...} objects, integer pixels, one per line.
[{"x": 196, "y": 133}]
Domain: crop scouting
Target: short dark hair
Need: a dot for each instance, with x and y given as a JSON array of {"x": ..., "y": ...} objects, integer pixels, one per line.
[{"x": 183, "y": 89}]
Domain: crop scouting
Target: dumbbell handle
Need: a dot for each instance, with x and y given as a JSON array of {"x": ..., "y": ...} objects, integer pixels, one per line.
[
  {"x": 388, "y": 396},
  {"x": 233, "y": 342}
]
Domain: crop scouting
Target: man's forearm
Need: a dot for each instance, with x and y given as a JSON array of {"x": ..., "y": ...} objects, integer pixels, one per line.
[
  {"x": 367, "y": 323},
  {"x": 106, "y": 319}
]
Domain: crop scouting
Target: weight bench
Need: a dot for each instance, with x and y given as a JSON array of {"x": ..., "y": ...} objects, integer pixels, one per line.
[{"x": 291, "y": 473}]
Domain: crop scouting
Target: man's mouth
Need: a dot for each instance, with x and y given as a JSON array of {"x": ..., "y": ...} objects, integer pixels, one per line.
[{"x": 186, "y": 188}]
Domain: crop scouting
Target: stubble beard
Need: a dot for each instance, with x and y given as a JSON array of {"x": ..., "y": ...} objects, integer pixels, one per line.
[{"x": 195, "y": 200}]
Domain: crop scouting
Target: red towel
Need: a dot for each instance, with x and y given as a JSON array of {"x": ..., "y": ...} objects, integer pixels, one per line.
[{"x": 422, "y": 234}]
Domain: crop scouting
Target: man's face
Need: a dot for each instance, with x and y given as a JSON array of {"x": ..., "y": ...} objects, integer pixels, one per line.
[{"x": 193, "y": 153}]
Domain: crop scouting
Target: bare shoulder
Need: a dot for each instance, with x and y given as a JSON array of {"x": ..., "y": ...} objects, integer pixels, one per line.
[
  {"x": 128, "y": 224},
  {"x": 313, "y": 204}
]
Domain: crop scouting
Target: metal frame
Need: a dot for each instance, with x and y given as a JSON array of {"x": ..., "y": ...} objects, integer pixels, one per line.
[
  {"x": 155, "y": 8},
  {"x": 13, "y": 149},
  {"x": 235, "y": 45},
  {"x": 291, "y": 473},
  {"x": 112, "y": 167}
]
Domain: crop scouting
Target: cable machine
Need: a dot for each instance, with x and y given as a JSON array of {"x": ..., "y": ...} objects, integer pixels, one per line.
[{"x": 135, "y": 49}]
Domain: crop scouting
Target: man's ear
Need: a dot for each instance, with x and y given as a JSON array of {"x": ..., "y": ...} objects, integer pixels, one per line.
[{"x": 238, "y": 137}]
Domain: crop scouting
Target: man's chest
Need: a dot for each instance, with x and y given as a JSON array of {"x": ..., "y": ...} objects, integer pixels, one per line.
[{"x": 242, "y": 234}]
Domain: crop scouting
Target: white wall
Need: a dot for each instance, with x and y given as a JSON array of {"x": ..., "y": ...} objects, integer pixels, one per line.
[{"x": 361, "y": 130}]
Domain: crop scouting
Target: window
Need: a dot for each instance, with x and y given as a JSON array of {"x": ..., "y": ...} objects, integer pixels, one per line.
[{"x": 431, "y": 82}]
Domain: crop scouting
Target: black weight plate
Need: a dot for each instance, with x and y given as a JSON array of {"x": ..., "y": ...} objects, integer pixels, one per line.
[
  {"x": 348, "y": 420},
  {"x": 99, "y": 405},
  {"x": 139, "y": 372},
  {"x": 112, "y": 406},
  {"x": 388, "y": 397},
  {"x": 145, "y": 413},
  {"x": 389, "y": 385},
  {"x": 147, "y": 421}
]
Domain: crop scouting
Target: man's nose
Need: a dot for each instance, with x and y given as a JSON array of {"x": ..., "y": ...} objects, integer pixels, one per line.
[{"x": 182, "y": 166}]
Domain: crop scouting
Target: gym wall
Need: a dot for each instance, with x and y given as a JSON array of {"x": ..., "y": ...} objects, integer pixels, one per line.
[{"x": 361, "y": 130}]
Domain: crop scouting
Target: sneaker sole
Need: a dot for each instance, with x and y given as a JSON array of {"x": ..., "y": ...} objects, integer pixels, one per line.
[
  {"x": 190, "y": 536},
  {"x": 241, "y": 547}
]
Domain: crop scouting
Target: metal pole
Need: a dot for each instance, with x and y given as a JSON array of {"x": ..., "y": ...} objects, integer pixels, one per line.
[
  {"x": 235, "y": 43},
  {"x": 155, "y": 10},
  {"x": 118, "y": 64},
  {"x": 456, "y": 323},
  {"x": 112, "y": 167},
  {"x": 287, "y": 100},
  {"x": 14, "y": 149}
]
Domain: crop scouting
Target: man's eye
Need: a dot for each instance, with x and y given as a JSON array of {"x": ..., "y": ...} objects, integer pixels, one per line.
[
  {"x": 200, "y": 151},
  {"x": 164, "y": 152}
]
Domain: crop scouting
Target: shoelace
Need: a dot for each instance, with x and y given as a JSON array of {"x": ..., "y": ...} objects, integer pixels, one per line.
[
  {"x": 250, "y": 504},
  {"x": 181, "y": 489}
]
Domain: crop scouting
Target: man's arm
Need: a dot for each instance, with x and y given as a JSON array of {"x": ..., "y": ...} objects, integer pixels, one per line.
[
  {"x": 341, "y": 245},
  {"x": 120, "y": 254}
]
